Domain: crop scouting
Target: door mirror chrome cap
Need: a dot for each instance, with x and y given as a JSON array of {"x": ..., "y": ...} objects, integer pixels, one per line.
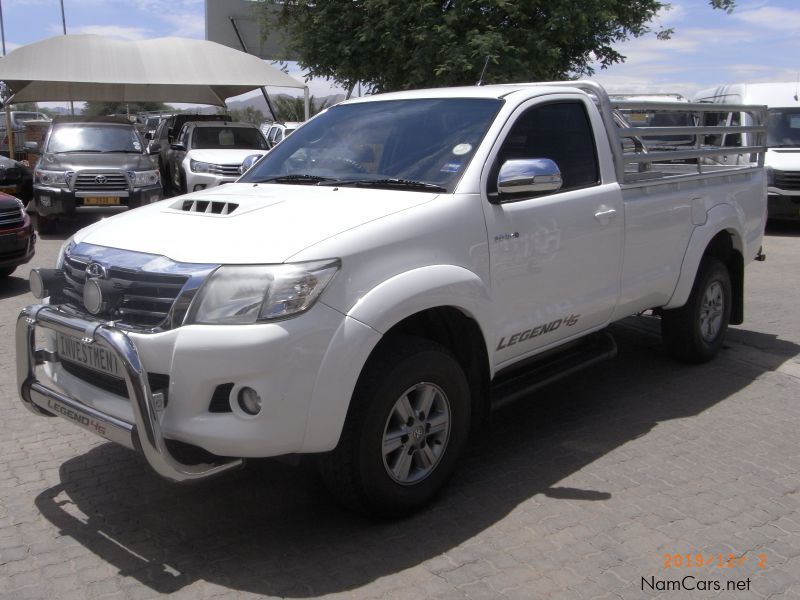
[
  {"x": 534, "y": 175},
  {"x": 248, "y": 162}
]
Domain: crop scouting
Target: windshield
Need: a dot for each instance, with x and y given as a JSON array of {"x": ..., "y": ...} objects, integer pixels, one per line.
[
  {"x": 242, "y": 138},
  {"x": 90, "y": 137},
  {"x": 425, "y": 141},
  {"x": 783, "y": 127}
]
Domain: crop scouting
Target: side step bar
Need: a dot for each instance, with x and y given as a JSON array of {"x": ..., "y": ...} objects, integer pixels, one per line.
[{"x": 544, "y": 370}]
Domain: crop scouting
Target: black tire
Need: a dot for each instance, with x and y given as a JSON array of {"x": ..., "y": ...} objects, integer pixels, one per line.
[
  {"x": 359, "y": 473},
  {"x": 695, "y": 332},
  {"x": 6, "y": 271}
]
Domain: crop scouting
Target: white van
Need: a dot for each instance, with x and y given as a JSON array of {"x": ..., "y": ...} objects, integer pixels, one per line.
[{"x": 782, "y": 159}]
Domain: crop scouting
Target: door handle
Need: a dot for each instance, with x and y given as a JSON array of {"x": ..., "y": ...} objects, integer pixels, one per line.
[{"x": 604, "y": 213}]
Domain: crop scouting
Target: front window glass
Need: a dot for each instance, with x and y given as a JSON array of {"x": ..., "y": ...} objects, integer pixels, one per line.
[
  {"x": 391, "y": 142},
  {"x": 783, "y": 127},
  {"x": 243, "y": 138},
  {"x": 91, "y": 137}
]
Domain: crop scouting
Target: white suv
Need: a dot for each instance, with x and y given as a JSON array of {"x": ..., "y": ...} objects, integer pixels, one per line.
[{"x": 207, "y": 154}]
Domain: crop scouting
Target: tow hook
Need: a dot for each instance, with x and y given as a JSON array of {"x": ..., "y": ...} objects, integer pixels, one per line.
[{"x": 760, "y": 256}]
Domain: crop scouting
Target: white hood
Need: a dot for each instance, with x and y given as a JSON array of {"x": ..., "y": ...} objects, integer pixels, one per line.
[
  {"x": 783, "y": 159},
  {"x": 270, "y": 223},
  {"x": 221, "y": 156}
]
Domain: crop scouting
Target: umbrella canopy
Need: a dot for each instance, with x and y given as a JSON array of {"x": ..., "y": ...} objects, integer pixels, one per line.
[{"x": 97, "y": 68}]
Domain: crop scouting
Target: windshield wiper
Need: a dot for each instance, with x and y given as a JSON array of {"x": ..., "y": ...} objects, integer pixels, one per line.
[
  {"x": 84, "y": 151},
  {"x": 392, "y": 183},
  {"x": 296, "y": 178},
  {"x": 121, "y": 151}
]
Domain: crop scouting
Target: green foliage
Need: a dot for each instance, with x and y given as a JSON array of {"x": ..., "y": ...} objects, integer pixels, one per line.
[
  {"x": 246, "y": 115},
  {"x": 391, "y": 44},
  {"x": 122, "y": 108},
  {"x": 293, "y": 109}
]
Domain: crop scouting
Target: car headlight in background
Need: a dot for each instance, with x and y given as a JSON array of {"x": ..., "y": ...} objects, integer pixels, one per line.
[
  {"x": 52, "y": 178},
  {"x": 244, "y": 294},
  {"x": 199, "y": 167},
  {"x": 144, "y": 178}
]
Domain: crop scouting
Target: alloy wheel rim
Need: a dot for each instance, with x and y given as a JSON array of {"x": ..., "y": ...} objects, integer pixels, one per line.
[
  {"x": 711, "y": 311},
  {"x": 416, "y": 433}
]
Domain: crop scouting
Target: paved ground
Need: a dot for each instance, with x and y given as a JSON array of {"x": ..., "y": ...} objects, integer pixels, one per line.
[{"x": 587, "y": 492}]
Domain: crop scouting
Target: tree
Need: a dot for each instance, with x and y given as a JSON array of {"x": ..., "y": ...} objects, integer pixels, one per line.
[
  {"x": 290, "y": 108},
  {"x": 248, "y": 114},
  {"x": 392, "y": 45},
  {"x": 123, "y": 108}
]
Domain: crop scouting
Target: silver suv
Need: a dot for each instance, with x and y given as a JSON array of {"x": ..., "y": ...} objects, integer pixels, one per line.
[{"x": 89, "y": 162}]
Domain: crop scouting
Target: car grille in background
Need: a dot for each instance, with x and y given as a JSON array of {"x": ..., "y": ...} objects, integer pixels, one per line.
[
  {"x": 11, "y": 218},
  {"x": 225, "y": 170},
  {"x": 101, "y": 182},
  {"x": 205, "y": 206},
  {"x": 787, "y": 180},
  {"x": 145, "y": 302}
]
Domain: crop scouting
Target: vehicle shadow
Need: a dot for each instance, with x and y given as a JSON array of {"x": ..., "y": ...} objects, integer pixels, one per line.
[
  {"x": 783, "y": 228},
  {"x": 272, "y": 529},
  {"x": 15, "y": 284}
]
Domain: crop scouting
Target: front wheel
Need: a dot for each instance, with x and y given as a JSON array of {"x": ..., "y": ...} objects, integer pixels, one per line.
[
  {"x": 695, "y": 332},
  {"x": 407, "y": 425}
]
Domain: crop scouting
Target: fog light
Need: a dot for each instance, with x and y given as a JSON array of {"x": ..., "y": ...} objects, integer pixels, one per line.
[
  {"x": 198, "y": 187},
  {"x": 46, "y": 282},
  {"x": 249, "y": 401},
  {"x": 92, "y": 296}
]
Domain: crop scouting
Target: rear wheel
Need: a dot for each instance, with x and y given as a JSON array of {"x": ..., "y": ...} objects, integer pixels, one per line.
[
  {"x": 407, "y": 425},
  {"x": 695, "y": 332}
]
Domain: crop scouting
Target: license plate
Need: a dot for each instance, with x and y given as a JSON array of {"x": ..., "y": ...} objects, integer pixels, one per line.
[
  {"x": 8, "y": 189},
  {"x": 101, "y": 201},
  {"x": 92, "y": 356}
]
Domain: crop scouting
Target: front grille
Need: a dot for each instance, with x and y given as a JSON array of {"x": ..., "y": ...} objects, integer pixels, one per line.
[
  {"x": 787, "y": 180},
  {"x": 225, "y": 170},
  {"x": 14, "y": 254},
  {"x": 11, "y": 218},
  {"x": 145, "y": 298},
  {"x": 101, "y": 182}
]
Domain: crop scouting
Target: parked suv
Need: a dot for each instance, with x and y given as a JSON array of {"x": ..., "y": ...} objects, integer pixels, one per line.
[
  {"x": 275, "y": 132},
  {"x": 208, "y": 154},
  {"x": 165, "y": 134},
  {"x": 92, "y": 161}
]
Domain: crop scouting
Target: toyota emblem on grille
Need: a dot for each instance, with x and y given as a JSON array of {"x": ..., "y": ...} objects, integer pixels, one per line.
[
  {"x": 101, "y": 179},
  {"x": 96, "y": 270}
]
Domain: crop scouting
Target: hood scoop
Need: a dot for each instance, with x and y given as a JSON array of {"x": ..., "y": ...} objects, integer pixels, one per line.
[{"x": 208, "y": 207}]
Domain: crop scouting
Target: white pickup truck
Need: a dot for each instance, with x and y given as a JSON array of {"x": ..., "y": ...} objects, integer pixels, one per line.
[{"x": 379, "y": 281}]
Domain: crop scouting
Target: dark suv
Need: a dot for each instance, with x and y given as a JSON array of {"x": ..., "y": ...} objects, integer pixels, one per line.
[
  {"x": 89, "y": 162},
  {"x": 17, "y": 239}
]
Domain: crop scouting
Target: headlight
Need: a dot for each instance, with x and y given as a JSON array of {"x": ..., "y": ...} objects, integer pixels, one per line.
[
  {"x": 54, "y": 178},
  {"x": 63, "y": 251},
  {"x": 238, "y": 295},
  {"x": 199, "y": 167},
  {"x": 144, "y": 178}
]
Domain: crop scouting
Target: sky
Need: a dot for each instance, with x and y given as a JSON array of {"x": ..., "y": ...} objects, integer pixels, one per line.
[{"x": 758, "y": 42}]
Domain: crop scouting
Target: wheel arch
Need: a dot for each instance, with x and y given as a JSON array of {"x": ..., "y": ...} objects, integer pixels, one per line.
[
  {"x": 441, "y": 303},
  {"x": 719, "y": 237}
]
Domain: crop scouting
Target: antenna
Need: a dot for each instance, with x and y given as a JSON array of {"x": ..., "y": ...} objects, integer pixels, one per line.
[{"x": 483, "y": 72}]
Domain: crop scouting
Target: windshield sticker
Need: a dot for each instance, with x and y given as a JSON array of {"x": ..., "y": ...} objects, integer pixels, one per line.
[
  {"x": 137, "y": 146},
  {"x": 450, "y": 168},
  {"x": 226, "y": 138},
  {"x": 462, "y": 149}
]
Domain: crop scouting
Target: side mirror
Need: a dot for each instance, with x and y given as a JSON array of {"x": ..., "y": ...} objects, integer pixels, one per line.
[
  {"x": 531, "y": 176},
  {"x": 148, "y": 135},
  {"x": 178, "y": 147},
  {"x": 154, "y": 148},
  {"x": 32, "y": 147},
  {"x": 248, "y": 162}
]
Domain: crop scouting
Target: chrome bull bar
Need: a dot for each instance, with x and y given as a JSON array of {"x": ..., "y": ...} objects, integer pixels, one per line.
[{"x": 144, "y": 435}]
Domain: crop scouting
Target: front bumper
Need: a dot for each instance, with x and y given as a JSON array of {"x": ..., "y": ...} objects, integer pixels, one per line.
[
  {"x": 200, "y": 181},
  {"x": 63, "y": 201},
  {"x": 783, "y": 206},
  {"x": 143, "y": 434}
]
